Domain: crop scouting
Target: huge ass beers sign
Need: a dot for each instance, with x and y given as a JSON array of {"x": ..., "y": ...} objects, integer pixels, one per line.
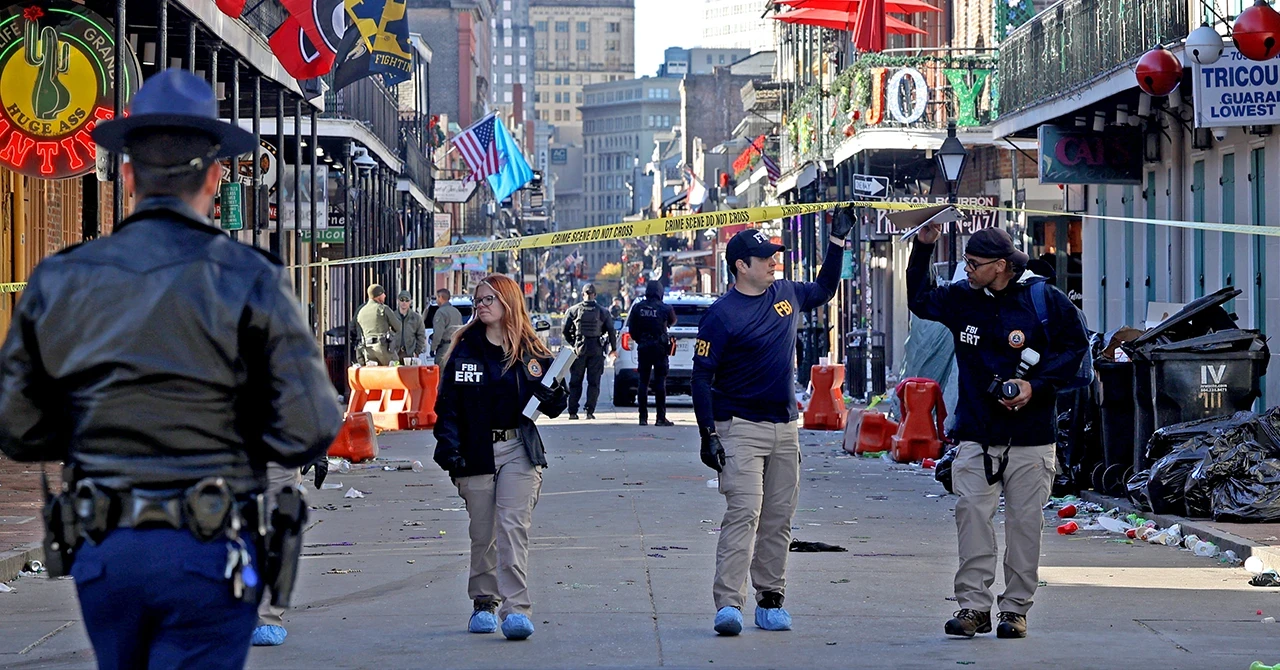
[
  {"x": 57, "y": 80},
  {"x": 1086, "y": 156}
]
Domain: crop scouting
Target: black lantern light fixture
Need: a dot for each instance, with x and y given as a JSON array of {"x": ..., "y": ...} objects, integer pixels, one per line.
[{"x": 951, "y": 157}]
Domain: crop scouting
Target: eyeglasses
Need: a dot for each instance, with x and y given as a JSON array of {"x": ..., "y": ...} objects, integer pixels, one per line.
[
  {"x": 487, "y": 300},
  {"x": 971, "y": 266},
  {"x": 405, "y": 300}
]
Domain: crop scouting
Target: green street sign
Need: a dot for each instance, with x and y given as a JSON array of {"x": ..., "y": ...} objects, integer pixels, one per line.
[
  {"x": 230, "y": 211},
  {"x": 325, "y": 235}
]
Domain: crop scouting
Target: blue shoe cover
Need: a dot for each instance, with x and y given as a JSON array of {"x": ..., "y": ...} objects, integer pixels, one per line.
[
  {"x": 269, "y": 636},
  {"x": 482, "y": 621},
  {"x": 774, "y": 618},
  {"x": 728, "y": 621},
  {"x": 517, "y": 627}
]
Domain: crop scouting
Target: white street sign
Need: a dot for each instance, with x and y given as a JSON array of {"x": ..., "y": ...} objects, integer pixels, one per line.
[
  {"x": 454, "y": 190},
  {"x": 870, "y": 186}
]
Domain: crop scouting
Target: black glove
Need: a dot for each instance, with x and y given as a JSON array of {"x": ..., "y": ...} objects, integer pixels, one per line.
[
  {"x": 552, "y": 401},
  {"x": 322, "y": 469},
  {"x": 712, "y": 451},
  {"x": 842, "y": 222},
  {"x": 451, "y": 463}
]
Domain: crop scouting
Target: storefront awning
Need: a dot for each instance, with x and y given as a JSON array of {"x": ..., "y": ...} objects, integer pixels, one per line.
[
  {"x": 917, "y": 139},
  {"x": 798, "y": 178}
]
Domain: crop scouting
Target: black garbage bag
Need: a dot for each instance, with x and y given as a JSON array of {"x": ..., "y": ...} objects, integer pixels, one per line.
[
  {"x": 1171, "y": 438},
  {"x": 1167, "y": 479},
  {"x": 1252, "y": 498},
  {"x": 942, "y": 469},
  {"x": 1136, "y": 489}
]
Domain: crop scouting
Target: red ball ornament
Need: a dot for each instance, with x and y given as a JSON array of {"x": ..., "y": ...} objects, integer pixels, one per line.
[
  {"x": 1256, "y": 32},
  {"x": 1159, "y": 72}
]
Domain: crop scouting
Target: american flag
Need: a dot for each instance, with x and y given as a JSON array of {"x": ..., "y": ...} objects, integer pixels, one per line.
[
  {"x": 478, "y": 148},
  {"x": 770, "y": 167}
]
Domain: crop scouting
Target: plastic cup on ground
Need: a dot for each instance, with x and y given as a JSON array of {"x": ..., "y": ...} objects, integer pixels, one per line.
[
  {"x": 1068, "y": 528},
  {"x": 1067, "y": 512},
  {"x": 1254, "y": 565}
]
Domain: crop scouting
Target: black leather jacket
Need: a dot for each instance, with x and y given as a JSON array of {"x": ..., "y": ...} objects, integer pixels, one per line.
[
  {"x": 163, "y": 354},
  {"x": 463, "y": 425}
]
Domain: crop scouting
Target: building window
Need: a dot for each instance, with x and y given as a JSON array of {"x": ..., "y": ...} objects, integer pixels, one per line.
[
  {"x": 709, "y": 61},
  {"x": 613, "y": 27},
  {"x": 577, "y": 79},
  {"x": 506, "y": 5},
  {"x": 651, "y": 123},
  {"x": 578, "y": 97},
  {"x": 542, "y": 26},
  {"x": 722, "y": 59},
  {"x": 522, "y": 75},
  {"x": 523, "y": 43},
  {"x": 579, "y": 114},
  {"x": 506, "y": 41},
  {"x": 558, "y": 97},
  {"x": 524, "y": 59},
  {"x": 583, "y": 27},
  {"x": 506, "y": 78},
  {"x": 582, "y": 45},
  {"x": 611, "y": 45},
  {"x": 506, "y": 95},
  {"x": 562, "y": 26},
  {"x": 506, "y": 60}
]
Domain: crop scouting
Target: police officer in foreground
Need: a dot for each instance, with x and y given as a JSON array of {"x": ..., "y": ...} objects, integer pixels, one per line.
[
  {"x": 411, "y": 340},
  {"x": 1010, "y": 371},
  {"x": 378, "y": 327},
  {"x": 588, "y": 328},
  {"x": 647, "y": 324},
  {"x": 190, "y": 369},
  {"x": 744, "y": 377}
]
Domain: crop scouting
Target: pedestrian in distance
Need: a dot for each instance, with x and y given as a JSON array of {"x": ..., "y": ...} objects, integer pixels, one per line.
[
  {"x": 744, "y": 399},
  {"x": 411, "y": 340},
  {"x": 190, "y": 371},
  {"x": 588, "y": 328},
  {"x": 444, "y": 324},
  {"x": 379, "y": 325},
  {"x": 1014, "y": 351},
  {"x": 493, "y": 452},
  {"x": 647, "y": 324}
]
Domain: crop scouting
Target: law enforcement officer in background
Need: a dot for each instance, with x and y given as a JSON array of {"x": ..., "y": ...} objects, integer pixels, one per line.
[
  {"x": 411, "y": 340},
  {"x": 378, "y": 327},
  {"x": 166, "y": 432},
  {"x": 446, "y": 321},
  {"x": 1006, "y": 442},
  {"x": 744, "y": 376},
  {"x": 647, "y": 324},
  {"x": 588, "y": 328}
]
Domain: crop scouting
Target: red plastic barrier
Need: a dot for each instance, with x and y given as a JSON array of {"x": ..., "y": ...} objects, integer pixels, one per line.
[
  {"x": 920, "y": 434},
  {"x": 357, "y": 441},
  {"x": 875, "y": 433},
  {"x": 826, "y": 408},
  {"x": 399, "y": 397}
]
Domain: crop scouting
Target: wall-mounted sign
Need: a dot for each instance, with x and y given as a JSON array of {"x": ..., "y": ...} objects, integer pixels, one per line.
[
  {"x": 1236, "y": 91},
  {"x": 268, "y": 166},
  {"x": 902, "y": 95},
  {"x": 971, "y": 221},
  {"x": 57, "y": 81},
  {"x": 454, "y": 190},
  {"x": 559, "y": 156},
  {"x": 325, "y": 236},
  {"x": 229, "y": 210},
  {"x": 442, "y": 223},
  {"x": 1084, "y": 156},
  {"x": 285, "y": 195}
]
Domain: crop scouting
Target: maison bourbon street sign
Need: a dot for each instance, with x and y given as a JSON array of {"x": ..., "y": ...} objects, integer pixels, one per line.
[{"x": 57, "y": 80}]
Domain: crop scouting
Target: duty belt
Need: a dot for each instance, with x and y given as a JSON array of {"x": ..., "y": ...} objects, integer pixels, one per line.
[
  {"x": 378, "y": 339},
  {"x": 207, "y": 509},
  {"x": 505, "y": 435}
]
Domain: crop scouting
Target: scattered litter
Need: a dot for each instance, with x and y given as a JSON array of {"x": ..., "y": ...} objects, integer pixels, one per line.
[
  {"x": 951, "y": 598},
  {"x": 1229, "y": 557},
  {"x": 341, "y": 571},
  {"x": 330, "y": 544},
  {"x": 707, "y": 521},
  {"x": 1042, "y": 583},
  {"x": 965, "y": 662},
  {"x": 1254, "y": 565},
  {"x": 331, "y": 486},
  {"x": 1068, "y": 528},
  {"x": 1119, "y": 541},
  {"x": 877, "y": 497},
  {"x": 633, "y": 483},
  {"x": 1113, "y": 525},
  {"x": 873, "y": 454},
  {"x": 410, "y": 561},
  {"x": 5, "y": 588},
  {"x": 802, "y": 546},
  {"x": 655, "y": 555},
  {"x": 353, "y": 493},
  {"x": 453, "y": 509},
  {"x": 831, "y": 644},
  {"x": 813, "y": 524},
  {"x": 35, "y": 567},
  {"x": 1268, "y": 578},
  {"x": 1269, "y": 619},
  {"x": 680, "y": 548},
  {"x": 713, "y": 483},
  {"x": 606, "y": 450},
  {"x": 845, "y": 523},
  {"x": 660, "y": 548},
  {"x": 411, "y": 523},
  {"x": 840, "y": 581},
  {"x": 933, "y": 495}
]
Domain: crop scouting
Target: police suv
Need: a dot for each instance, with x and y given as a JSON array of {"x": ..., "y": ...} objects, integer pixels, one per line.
[{"x": 689, "y": 309}]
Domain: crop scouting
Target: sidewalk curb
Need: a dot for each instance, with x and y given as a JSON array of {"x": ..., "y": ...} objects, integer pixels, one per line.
[
  {"x": 1244, "y": 548},
  {"x": 12, "y": 561}
]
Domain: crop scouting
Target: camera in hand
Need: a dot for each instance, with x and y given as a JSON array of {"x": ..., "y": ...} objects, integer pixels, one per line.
[{"x": 1003, "y": 389}]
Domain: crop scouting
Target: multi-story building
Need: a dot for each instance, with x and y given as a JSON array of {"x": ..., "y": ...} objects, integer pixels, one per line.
[
  {"x": 458, "y": 32},
  {"x": 513, "y": 63},
  {"x": 620, "y": 120},
  {"x": 678, "y": 61},
  {"x": 578, "y": 42},
  {"x": 736, "y": 24}
]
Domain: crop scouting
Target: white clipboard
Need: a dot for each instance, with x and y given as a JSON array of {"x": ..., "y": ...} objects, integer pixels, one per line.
[{"x": 558, "y": 371}]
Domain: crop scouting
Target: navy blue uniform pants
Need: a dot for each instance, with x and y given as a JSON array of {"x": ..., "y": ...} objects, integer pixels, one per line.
[
  {"x": 652, "y": 362},
  {"x": 157, "y": 598},
  {"x": 592, "y": 367}
]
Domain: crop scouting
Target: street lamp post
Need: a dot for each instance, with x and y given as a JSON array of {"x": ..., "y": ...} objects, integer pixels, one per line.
[{"x": 951, "y": 159}]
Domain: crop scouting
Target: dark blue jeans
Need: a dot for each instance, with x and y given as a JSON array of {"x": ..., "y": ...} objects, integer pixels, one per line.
[{"x": 157, "y": 598}]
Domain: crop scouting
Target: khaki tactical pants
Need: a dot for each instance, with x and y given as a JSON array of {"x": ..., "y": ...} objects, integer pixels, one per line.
[
  {"x": 761, "y": 485},
  {"x": 278, "y": 477},
  {"x": 501, "y": 510},
  {"x": 378, "y": 353},
  {"x": 1027, "y": 481}
]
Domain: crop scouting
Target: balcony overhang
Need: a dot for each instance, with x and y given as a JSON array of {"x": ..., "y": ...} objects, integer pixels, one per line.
[
  {"x": 405, "y": 185},
  {"x": 918, "y": 139},
  {"x": 345, "y": 128},
  {"x": 798, "y": 178}
]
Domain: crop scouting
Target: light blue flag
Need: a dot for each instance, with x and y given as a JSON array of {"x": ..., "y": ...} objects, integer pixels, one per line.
[{"x": 515, "y": 172}]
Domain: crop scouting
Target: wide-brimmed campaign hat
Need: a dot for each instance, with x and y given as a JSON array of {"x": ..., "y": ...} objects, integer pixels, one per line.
[{"x": 175, "y": 99}]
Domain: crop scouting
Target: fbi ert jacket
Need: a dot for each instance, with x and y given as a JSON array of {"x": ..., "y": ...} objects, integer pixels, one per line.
[
  {"x": 990, "y": 331},
  {"x": 473, "y": 396}
]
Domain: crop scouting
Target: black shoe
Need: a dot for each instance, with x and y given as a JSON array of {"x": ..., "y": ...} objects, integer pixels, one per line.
[
  {"x": 591, "y": 416},
  {"x": 573, "y": 416},
  {"x": 1012, "y": 625},
  {"x": 968, "y": 623},
  {"x": 663, "y": 422},
  {"x": 644, "y": 422}
]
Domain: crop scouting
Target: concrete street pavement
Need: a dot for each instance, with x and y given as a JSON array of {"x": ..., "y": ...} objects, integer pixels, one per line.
[{"x": 622, "y": 557}]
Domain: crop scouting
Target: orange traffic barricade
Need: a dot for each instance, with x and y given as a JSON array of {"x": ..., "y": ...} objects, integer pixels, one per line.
[
  {"x": 826, "y": 408},
  {"x": 875, "y": 433},
  {"x": 921, "y": 433},
  {"x": 399, "y": 397},
  {"x": 357, "y": 440}
]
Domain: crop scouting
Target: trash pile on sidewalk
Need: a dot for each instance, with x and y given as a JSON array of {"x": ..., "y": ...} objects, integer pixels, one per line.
[
  {"x": 1133, "y": 527},
  {"x": 1227, "y": 468}
]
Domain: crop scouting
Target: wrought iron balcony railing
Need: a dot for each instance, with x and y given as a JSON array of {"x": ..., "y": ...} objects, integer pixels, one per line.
[{"x": 370, "y": 103}]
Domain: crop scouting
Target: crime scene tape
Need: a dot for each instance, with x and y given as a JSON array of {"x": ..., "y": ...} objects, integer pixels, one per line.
[
  {"x": 753, "y": 215},
  {"x": 13, "y": 287}
]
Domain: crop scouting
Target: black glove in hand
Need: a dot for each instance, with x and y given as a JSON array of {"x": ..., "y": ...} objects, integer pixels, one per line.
[
  {"x": 322, "y": 470},
  {"x": 842, "y": 222},
  {"x": 712, "y": 451},
  {"x": 552, "y": 401},
  {"x": 451, "y": 463}
]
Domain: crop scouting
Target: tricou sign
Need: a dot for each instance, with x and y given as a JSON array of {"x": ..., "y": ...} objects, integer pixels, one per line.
[{"x": 1236, "y": 91}]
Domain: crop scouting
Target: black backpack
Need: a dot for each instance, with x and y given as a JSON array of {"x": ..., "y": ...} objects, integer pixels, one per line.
[{"x": 589, "y": 322}]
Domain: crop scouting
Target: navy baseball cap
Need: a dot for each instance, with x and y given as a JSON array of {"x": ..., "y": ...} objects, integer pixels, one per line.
[{"x": 747, "y": 244}]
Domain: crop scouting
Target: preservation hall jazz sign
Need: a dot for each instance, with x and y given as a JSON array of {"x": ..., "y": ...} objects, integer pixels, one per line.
[{"x": 57, "y": 80}]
